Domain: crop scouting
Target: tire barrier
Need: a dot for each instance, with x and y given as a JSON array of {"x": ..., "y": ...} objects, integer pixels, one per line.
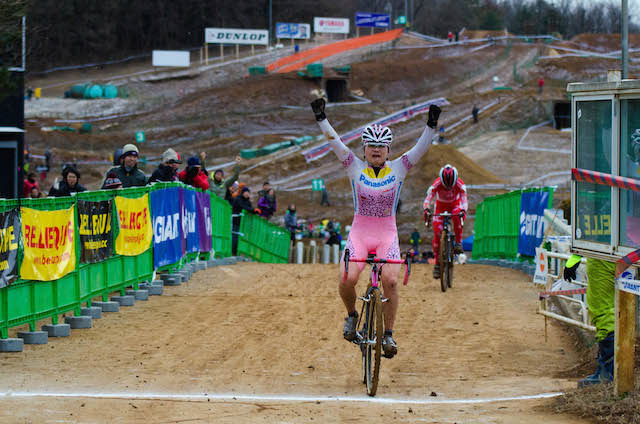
[{"x": 60, "y": 255}]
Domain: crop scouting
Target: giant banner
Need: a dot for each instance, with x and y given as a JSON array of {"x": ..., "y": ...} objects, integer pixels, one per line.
[
  {"x": 49, "y": 244},
  {"x": 236, "y": 36},
  {"x": 9, "y": 244},
  {"x": 205, "y": 230},
  {"x": 188, "y": 218},
  {"x": 167, "y": 240},
  {"x": 134, "y": 222},
  {"x": 95, "y": 231},
  {"x": 532, "y": 221},
  {"x": 298, "y": 31},
  {"x": 374, "y": 20},
  {"x": 331, "y": 25}
]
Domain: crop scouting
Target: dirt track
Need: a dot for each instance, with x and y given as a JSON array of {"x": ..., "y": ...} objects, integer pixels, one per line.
[{"x": 261, "y": 330}]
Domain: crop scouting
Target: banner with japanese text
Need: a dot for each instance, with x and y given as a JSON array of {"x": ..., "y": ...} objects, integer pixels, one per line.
[
  {"x": 9, "y": 245},
  {"x": 134, "y": 222},
  {"x": 188, "y": 218},
  {"x": 167, "y": 240},
  {"x": 49, "y": 244},
  {"x": 205, "y": 230},
  {"x": 95, "y": 231}
]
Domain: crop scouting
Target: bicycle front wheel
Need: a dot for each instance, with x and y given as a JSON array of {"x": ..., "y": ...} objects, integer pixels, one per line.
[
  {"x": 450, "y": 267},
  {"x": 444, "y": 261},
  {"x": 373, "y": 351}
]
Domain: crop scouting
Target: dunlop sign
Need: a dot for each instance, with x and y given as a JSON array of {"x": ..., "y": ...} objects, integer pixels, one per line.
[{"x": 236, "y": 36}]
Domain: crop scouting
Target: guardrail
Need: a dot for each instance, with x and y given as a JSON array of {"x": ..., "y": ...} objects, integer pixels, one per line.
[{"x": 56, "y": 289}]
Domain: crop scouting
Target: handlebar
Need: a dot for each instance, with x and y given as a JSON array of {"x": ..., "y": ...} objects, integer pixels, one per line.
[
  {"x": 373, "y": 260},
  {"x": 442, "y": 215}
]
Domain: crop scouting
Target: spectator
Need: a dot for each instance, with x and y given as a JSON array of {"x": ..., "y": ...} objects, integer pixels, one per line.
[
  {"x": 47, "y": 158},
  {"x": 241, "y": 203},
  {"x": 70, "y": 183},
  {"x": 232, "y": 193},
  {"x": 325, "y": 197},
  {"x": 28, "y": 184},
  {"x": 167, "y": 171},
  {"x": 117, "y": 157},
  {"x": 267, "y": 204},
  {"x": 415, "y": 240},
  {"x": 112, "y": 182},
  {"x": 221, "y": 187},
  {"x": 431, "y": 258},
  {"x": 450, "y": 36},
  {"x": 291, "y": 221},
  {"x": 193, "y": 174},
  {"x": 475, "y": 112},
  {"x": 203, "y": 157},
  {"x": 265, "y": 189},
  {"x": 128, "y": 172},
  {"x": 441, "y": 135},
  {"x": 35, "y": 193},
  {"x": 540, "y": 85}
]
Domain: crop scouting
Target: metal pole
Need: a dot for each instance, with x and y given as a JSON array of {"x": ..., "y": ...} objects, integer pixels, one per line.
[
  {"x": 406, "y": 10},
  {"x": 270, "y": 16},
  {"x": 24, "y": 44},
  {"x": 625, "y": 39}
]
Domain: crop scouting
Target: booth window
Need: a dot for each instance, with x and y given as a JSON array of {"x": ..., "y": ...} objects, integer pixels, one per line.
[
  {"x": 594, "y": 151},
  {"x": 630, "y": 167}
]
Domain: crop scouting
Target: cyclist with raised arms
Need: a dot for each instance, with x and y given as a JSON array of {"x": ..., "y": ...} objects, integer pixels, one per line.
[
  {"x": 376, "y": 184},
  {"x": 449, "y": 194}
]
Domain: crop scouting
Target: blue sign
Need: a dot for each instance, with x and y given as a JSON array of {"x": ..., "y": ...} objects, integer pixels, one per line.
[
  {"x": 532, "y": 221},
  {"x": 376, "y": 20},
  {"x": 189, "y": 221},
  {"x": 300, "y": 31},
  {"x": 167, "y": 240}
]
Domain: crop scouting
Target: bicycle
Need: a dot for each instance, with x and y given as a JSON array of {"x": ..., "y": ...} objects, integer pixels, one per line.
[
  {"x": 447, "y": 241},
  {"x": 369, "y": 338}
]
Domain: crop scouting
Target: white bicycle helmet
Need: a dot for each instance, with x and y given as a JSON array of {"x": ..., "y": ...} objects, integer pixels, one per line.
[
  {"x": 448, "y": 176},
  {"x": 377, "y": 135}
]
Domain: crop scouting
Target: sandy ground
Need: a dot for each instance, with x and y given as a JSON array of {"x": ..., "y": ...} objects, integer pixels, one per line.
[{"x": 270, "y": 335}]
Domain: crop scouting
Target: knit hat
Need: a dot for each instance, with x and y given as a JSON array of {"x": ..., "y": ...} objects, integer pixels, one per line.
[
  {"x": 170, "y": 155},
  {"x": 218, "y": 170},
  {"x": 245, "y": 188},
  {"x": 112, "y": 181},
  {"x": 193, "y": 161},
  {"x": 130, "y": 149}
]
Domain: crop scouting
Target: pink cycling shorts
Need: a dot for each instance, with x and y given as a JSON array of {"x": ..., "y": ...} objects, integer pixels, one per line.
[{"x": 371, "y": 233}]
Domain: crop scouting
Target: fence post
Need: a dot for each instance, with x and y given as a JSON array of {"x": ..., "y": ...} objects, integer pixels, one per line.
[
  {"x": 313, "y": 250},
  {"x": 299, "y": 252},
  {"x": 325, "y": 253}
]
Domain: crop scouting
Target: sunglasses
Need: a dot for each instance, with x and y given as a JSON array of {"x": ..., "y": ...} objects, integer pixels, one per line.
[{"x": 174, "y": 161}]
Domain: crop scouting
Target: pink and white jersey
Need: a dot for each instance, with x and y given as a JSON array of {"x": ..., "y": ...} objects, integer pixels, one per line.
[
  {"x": 447, "y": 198},
  {"x": 376, "y": 195}
]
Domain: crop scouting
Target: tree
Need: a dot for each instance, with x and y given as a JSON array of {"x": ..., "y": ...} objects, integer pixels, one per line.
[{"x": 11, "y": 12}]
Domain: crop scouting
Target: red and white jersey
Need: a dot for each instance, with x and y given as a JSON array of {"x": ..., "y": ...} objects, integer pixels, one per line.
[{"x": 448, "y": 198}]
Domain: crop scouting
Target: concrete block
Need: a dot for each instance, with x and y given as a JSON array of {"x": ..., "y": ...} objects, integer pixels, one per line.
[
  {"x": 144, "y": 286},
  {"x": 107, "y": 306},
  {"x": 82, "y": 321},
  {"x": 57, "y": 330},
  {"x": 94, "y": 312},
  {"x": 11, "y": 345},
  {"x": 200, "y": 266},
  {"x": 124, "y": 300},
  {"x": 34, "y": 337},
  {"x": 138, "y": 294},
  {"x": 156, "y": 283},
  {"x": 166, "y": 277},
  {"x": 155, "y": 290},
  {"x": 184, "y": 276},
  {"x": 173, "y": 282},
  {"x": 229, "y": 261},
  {"x": 212, "y": 262}
]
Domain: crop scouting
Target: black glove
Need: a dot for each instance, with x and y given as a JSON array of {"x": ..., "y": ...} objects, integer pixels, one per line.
[
  {"x": 570, "y": 272},
  {"x": 318, "y": 109},
  {"x": 434, "y": 114},
  {"x": 462, "y": 214},
  {"x": 427, "y": 215}
]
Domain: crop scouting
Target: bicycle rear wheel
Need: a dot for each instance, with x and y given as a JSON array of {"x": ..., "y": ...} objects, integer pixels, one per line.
[
  {"x": 450, "y": 267},
  {"x": 373, "y": 349},
  {"x": 444, "y": 261}
]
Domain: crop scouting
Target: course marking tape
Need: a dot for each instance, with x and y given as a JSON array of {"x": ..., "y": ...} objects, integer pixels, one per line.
[
  {"x": 271, "y": 398},
  {"x": 563, "y": 292},
  {"x": 602, "y": 178}
]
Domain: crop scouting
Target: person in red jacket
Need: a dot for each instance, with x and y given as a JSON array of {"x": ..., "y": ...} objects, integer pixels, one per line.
[
  {"x": 29, "y": 183},
  {"x": 193, "y": 174},
  {"x": 449, "y": 194}
]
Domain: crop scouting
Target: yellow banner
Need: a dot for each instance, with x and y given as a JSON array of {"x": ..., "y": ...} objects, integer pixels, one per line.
[
  {"x": 49, "y": 244},
  {"x": 135, "y": 225}
]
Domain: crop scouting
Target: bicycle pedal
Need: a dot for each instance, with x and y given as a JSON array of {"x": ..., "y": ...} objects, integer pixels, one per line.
[{"x": 384, "y": 355}]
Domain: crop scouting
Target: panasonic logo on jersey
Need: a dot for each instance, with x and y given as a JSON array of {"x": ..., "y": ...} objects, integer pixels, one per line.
[{"x": 377, "y": 184}]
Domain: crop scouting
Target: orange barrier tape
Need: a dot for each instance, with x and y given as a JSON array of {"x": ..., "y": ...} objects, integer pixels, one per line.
[{"x": 302, "y": 59}]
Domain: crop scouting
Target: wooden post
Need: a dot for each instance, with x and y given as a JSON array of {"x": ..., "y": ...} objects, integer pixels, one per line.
[
  {"x": 624, "y": 352},
  {"x": 372, "y": 30},
  {"x": 253, "y": 50},
  {"x": 221, "y": 51},
  {"x": 206, "y": 53},
  {"x": 201, "y": 53},
  {"x": 293, "y": 42},
  {"x": 237, "y": 51},
  {"x": 357, "y": 31}
]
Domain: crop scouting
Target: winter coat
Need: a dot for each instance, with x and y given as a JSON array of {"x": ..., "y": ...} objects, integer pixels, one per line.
[
  {"x": 267, "y": 206},
  {"x": 200, "y": 180},
  {"x": 133, "y": 178},
  {"x": 415, "y": 238},
  {"x": 63, "y": 189},
  {"x": 27, "y": 186},
  {"x": 240, "y": 204},
  {"x": 164, "y": 173},
  {"x": 291, "y": 221},
  {"x": 220, "y": 188}
]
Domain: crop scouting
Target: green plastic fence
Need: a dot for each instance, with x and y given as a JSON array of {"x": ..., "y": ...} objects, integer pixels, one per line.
[
  {"x": 27, "y": 301},
  {"x": 263, "y": 241},
  {"x": 497, "y": 225}
]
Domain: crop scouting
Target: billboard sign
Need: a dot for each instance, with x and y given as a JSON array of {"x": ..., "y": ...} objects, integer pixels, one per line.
[
  {"x": 331, "y": 25},
  {"x": 236, "y": 36},
  {"x": 297, "y": 31},
  {"x": 170, "y": 58},
  {"x": 374, "y": 20}
]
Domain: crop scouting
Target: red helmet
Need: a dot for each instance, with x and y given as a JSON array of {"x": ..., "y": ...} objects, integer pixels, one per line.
[{"x": 448, "y": 176}]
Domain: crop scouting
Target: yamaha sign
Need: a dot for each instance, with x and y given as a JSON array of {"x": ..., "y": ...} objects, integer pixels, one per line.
[{"x": 236, "y": 36}]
